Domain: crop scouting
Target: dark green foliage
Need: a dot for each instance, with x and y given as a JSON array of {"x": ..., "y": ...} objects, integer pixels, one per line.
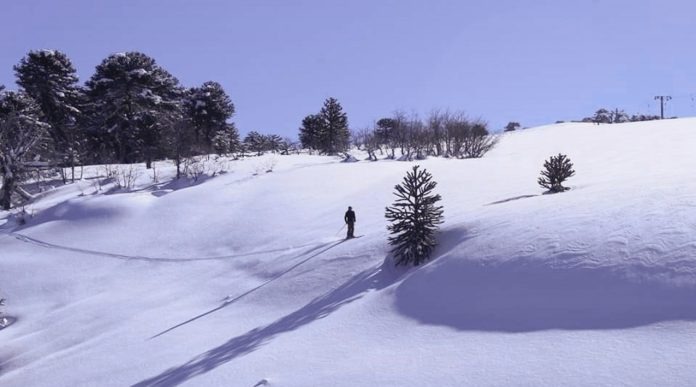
[
  {"x": 255, "y": 142},
  {"x": 327, "y": 131},
  {"x": 226, "y": 140},
  {"x": 512, "y": 126},
  {"x": 209, "y": 108},
  {"x": 131, "y": 100},
  {"x": 50, "y": 79},
  {"x": 556, "y": 170},
  {"x": 22, "y": 132},
  {"x": 310, "y": 132},
  {"x": 414, "y": 217},
  {"x": 335, "y": 136}
]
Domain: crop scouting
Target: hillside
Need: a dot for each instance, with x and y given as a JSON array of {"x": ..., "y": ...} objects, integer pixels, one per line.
[{"x": 243, "y": 279}]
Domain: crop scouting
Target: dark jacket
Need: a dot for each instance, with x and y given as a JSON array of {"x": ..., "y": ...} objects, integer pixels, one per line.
[{"x": 349, "y": 217}]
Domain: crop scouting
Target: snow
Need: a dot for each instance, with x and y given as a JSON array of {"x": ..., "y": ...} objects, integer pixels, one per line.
[
  {"x": 138, "y": 72},
  {"x": 243, "y": 279}
]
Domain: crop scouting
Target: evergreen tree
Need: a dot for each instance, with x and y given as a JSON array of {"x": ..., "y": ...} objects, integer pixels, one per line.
[
  {"x": 21, "y": 134},
  {"x": 334, "y": 134},
  {"x": 209, "y": 108},
  {"x": 49, "y": 78},
  {"x": 414, "y": 217},
  {"x": 132, "y": 100},
  {"x": 179, "y": 138},
  {"x": 385, "y": 133},
  {"x": 226, "y": 140},
  {"x": 556, "y": 170},
  {"x": 512, "y": 126},
  {"x": 255, "y": 142},
  {"x": 274, "y": 143},
  {"x": 310, "y": 131},
  {"x": 602, "y": 116}
]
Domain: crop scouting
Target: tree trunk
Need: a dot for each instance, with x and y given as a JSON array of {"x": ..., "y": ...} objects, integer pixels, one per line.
[
  {"x": 178, "y": 167},
  {"x": 7, "y": 188}
]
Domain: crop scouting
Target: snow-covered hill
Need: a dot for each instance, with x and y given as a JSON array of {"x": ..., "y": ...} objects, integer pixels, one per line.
[{"x": 244, "y": 280}]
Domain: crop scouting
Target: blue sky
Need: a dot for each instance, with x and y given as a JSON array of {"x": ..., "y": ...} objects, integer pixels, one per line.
[{"x": 529, "y": 61}]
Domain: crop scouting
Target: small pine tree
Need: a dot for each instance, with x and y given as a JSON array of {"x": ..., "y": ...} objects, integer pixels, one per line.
[
  {"x": 414, "y": 218},
  {"x": 512, "y": 126},
  {"x": 556, "y": 170}
]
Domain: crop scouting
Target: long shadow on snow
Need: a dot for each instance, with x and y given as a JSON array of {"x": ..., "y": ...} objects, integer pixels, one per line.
[
  {"x": 320, "y": 307},
  {"x": 528, "y": 294},
  {"x": 328, "y": 246}
]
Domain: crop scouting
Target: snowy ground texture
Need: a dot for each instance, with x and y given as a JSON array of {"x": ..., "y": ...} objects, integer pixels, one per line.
[{"x": 243, "y": 279}]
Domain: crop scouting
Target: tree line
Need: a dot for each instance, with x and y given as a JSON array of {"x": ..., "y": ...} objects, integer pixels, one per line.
[
  {"x": 130, "y": 110},
  {"x": 442, "y": 133}
]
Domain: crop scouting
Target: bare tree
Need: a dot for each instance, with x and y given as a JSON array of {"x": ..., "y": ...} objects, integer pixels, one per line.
[{"x": 478, "y": 141}]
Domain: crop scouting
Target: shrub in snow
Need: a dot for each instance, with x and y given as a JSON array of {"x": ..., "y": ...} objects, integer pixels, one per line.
[
  {"x": 3, "y": 320},
  {"x": 349, "y": 159},
  {"x": 414, "y": 218},
  {"x": 126, "y": 175},
  {"x": 512, "y": 126},
  {"x": 556, "y": 170}
]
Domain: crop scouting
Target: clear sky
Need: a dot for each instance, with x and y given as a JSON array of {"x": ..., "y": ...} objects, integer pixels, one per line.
[{"x": 529, "y": 61}]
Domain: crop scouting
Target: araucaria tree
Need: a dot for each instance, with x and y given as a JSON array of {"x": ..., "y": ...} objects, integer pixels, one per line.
[
  {"x": 327, "y": 131},
  {"x": 49, "y": 78},
  {"x": 209, "y": 108},
  {"x": 132, "y": 100},
  {"x": 414, "y": 218},
  {"x": 21, "y": 134},
  {"x": 556, "y": 170}
]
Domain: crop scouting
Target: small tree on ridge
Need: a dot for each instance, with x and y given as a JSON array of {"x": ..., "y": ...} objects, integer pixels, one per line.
[
  {"x": 414, "y": 217},
  {"x": 556, "y": 170}
]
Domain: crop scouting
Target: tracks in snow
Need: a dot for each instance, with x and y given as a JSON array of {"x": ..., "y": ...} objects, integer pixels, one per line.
[{"x": 37, "y": 242}]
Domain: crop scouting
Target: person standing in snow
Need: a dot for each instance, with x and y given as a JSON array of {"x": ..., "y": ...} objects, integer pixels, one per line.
[{"x": 349, "y": 218}]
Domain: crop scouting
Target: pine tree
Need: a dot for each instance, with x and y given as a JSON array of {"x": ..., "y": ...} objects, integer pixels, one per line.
[
  {"x": 310, "y": 131},
  {"x": 132, "y": 100},
  {"x": 414, "y": 217},
  {"x": 21, "y": 133},
  {"x": 274, "y": 143},
  {"x": 50, "y": 79},
  {"x": 209, "y": 108},
  {"x": 255, "y": 142},
  {"x": 226, "y": 140},
  {"x": 334, "y": 135},
  {"x": 556, "y": 170}
]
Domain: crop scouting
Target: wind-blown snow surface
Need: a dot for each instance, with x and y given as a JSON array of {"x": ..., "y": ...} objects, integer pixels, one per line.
[{"x": 243, "y": 280}]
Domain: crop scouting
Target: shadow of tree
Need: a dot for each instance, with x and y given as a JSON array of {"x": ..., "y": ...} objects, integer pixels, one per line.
[
  {"x": 511, "y": 199},
  {"x": 528, "y": 294},
  {"x": 320, "y": 307},
  {"x": 328, "y": 246}
]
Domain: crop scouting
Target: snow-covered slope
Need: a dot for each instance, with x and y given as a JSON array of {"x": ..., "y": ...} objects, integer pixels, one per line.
[{"x": 244, "y": 280}]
